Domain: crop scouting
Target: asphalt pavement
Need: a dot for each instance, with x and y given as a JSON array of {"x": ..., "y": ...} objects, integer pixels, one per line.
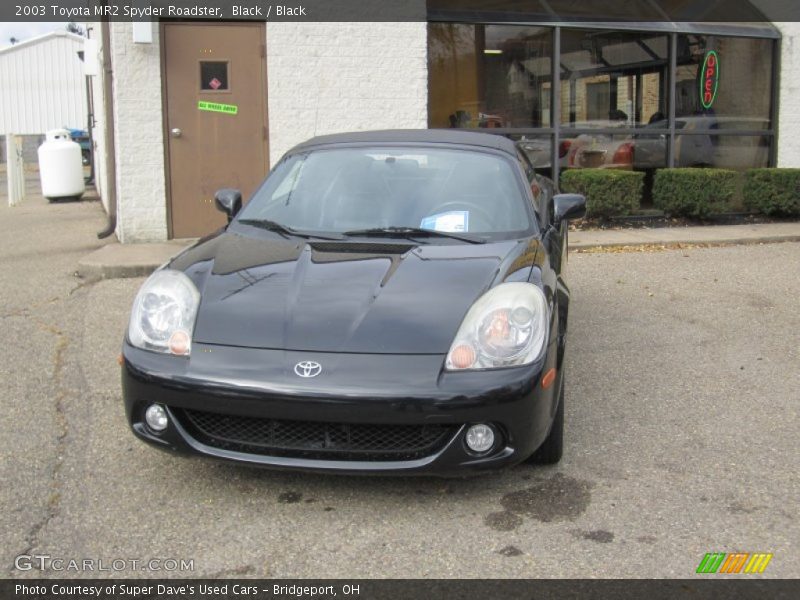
[{"x": 683, "y": 381}]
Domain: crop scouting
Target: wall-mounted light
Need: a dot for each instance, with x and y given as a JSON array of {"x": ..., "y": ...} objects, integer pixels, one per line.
[
  {"x": 492, "y": 51},
  {"x": 91, "y": 61},
  {"x": 142, "y": 32}
]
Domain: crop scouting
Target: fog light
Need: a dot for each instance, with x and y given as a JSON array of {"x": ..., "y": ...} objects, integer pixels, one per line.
[
  {"x": 156, "y": 417},
  {"x": 480, "y": 438}
]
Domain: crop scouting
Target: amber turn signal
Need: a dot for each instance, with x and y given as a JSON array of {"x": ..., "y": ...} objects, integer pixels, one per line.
[
  {"x": 548, "y": 379},
  {"x": 463, "y": 356}
]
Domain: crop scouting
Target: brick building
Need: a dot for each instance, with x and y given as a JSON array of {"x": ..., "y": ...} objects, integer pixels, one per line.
[{"x": 198, "y": 106}]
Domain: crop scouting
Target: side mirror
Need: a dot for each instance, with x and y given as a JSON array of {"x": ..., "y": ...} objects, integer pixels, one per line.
[
  {"x": 228, "y": 201},
  {"x": 568, "y": 206}
]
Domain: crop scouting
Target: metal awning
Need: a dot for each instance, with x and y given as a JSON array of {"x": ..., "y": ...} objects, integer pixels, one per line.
[{"x": 720, "y": 17}]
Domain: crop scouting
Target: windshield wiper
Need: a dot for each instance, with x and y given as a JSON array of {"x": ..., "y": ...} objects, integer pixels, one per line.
[
  {"x": 285, "y": 230},
  {"x": 411, "y": 232}
]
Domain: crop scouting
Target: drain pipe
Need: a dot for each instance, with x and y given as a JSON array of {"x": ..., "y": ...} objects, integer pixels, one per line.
[
  {"x": 90, "y": 127},
  {"x": 109, "y": 145}
]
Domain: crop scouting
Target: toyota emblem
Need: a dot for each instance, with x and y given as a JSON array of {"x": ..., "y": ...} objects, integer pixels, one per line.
[{"x": 307, "y": 368}]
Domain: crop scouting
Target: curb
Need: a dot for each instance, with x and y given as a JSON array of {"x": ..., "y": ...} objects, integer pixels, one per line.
[
  {"x": 677, "y": 243},
  {"x": 118, "y": 261},
  {"x": 94, "y": 272}
]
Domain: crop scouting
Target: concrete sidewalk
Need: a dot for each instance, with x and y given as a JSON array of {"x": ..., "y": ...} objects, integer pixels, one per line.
[
  {"x": 115, "y": 261},
  {"x": 118, "y": 261}
]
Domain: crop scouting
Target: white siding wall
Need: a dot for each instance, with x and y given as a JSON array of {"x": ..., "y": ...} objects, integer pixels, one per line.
[
  {"x": 139, "y": 139},
  {"x": 42, "y": 85},
  {"x": 789, "y": 97},
  {"x": 332, "y": 77}
]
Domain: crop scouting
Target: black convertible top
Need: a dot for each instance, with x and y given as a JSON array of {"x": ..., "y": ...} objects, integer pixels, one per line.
[{"x": 410, "y": 136}]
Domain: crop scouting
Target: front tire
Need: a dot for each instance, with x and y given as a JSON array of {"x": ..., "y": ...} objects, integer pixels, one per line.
[{"x": 552, "y": 449}]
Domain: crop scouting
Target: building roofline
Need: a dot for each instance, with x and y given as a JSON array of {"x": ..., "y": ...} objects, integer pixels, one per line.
[{"x": 41, "y": 38}]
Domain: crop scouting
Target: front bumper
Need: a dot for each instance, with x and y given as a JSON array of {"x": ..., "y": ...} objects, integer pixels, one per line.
[{"x": 357, "y": 390}]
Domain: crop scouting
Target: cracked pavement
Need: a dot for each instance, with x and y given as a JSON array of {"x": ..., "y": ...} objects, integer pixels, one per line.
[{"x": 682, "y": 390}]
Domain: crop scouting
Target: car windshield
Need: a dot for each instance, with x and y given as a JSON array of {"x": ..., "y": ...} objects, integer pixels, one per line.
[{"x": 363, "y": 191}]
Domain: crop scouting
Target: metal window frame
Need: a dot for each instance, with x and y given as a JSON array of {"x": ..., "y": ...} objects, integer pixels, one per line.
[
  {"x": 671, "y": 91},
  {"x": 555, "y": 106}
]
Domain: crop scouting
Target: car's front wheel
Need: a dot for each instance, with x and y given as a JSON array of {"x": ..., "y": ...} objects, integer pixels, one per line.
[{"x": 551, "y": 450}]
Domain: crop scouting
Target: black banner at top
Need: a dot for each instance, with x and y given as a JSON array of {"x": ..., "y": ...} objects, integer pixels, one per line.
[
  {"x": 545, "y": 11},
  {"x": 213, "y": 10}
]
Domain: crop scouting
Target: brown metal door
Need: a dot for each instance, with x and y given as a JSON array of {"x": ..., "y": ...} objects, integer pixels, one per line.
[{"x": 216, "y": 125}]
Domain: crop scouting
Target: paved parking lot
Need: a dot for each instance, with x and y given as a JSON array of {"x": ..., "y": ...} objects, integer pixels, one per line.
[{"x": 682, "y": 388}]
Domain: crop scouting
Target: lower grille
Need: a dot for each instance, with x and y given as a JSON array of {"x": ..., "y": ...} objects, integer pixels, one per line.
[{"x": 315, "y": 440}]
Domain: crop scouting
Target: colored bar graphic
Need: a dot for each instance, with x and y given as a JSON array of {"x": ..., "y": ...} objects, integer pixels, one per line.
[
  {"x": 721, "y": 562},
  {"x": 758, "y": 563},
  {"x": 734, "y": 562},
  {"x": 711, "y": 562},
  {"x": 701, "y": 568},
  {"x": 740, "y": 563}
]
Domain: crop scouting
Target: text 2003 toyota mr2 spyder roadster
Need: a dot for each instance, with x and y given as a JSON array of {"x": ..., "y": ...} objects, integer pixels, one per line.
[{"x": 386, "y": 302}]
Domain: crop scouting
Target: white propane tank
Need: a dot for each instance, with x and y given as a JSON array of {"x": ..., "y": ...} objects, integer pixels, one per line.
[{"x": 61, "y": 166}]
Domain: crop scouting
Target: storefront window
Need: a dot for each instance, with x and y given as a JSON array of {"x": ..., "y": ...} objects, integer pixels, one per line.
[
  {"x": 726, "y": 80},
  {"x": 489, "y": 75},
  {"x": 736, "y": 152},
  {"x": 538, "y": 149},
  {"x": 611, "y": 101},
  {"x": 613, "y": 79},
  {"x": 723, "y": 85}
]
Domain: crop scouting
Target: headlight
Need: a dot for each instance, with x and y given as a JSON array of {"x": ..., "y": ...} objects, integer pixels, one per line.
[
  {"x": 164, "y": 312},
  {"x": 506, "y": 327}
]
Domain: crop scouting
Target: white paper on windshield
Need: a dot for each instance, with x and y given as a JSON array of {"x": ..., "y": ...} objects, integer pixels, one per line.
[{"x": 453, "y": 221}]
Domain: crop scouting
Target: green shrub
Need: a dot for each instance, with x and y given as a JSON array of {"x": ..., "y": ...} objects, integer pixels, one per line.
[
  {"x": 694, "y": 192},
  {"x": 773, "y": 191},
  {"x": 608, "y": 192}
]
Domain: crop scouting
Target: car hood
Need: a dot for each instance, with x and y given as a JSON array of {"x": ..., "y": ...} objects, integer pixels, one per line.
[{"x": 366, "y": 296}]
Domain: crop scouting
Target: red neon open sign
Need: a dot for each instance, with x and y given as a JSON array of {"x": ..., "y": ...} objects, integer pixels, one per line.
[{"x": 709, "y": 79}]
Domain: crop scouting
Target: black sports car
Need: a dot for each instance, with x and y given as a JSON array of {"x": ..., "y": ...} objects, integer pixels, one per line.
[{"x": 385, "y": 302}]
